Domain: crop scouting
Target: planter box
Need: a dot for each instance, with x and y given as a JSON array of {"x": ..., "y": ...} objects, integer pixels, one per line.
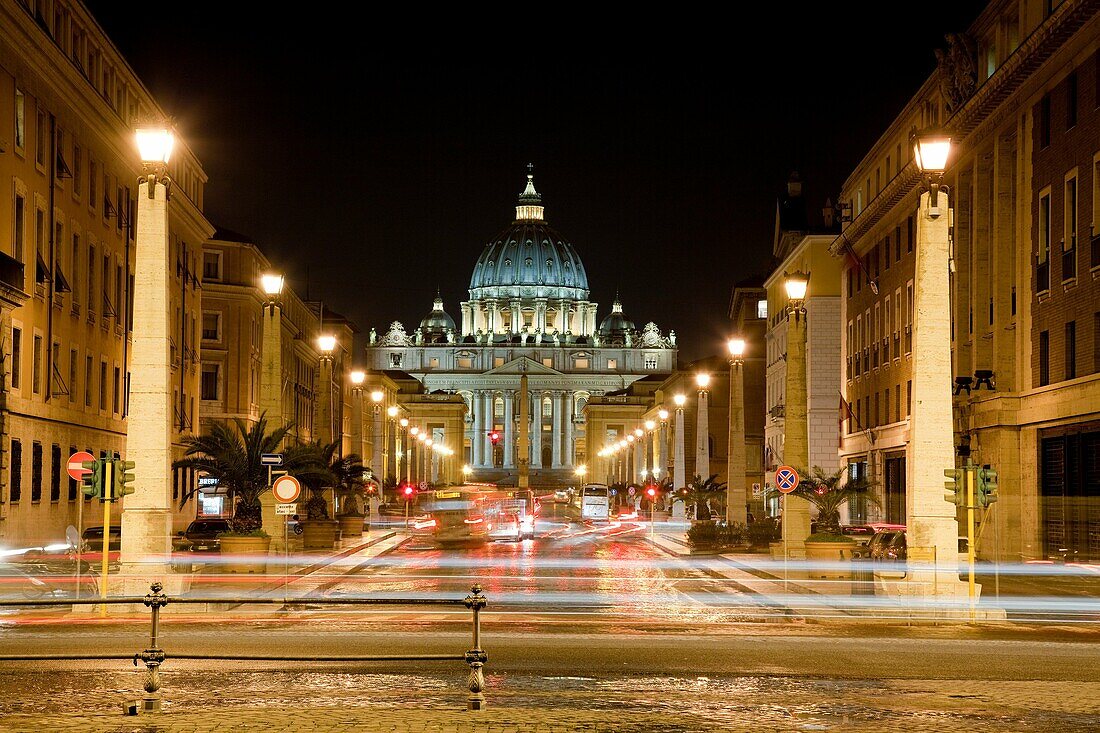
[
  {"x": 351, "y": 526},
  {"x": 319, "y": 534},
  {"x": 244, "y": 554},
  {"x": 830, "y": 560}
]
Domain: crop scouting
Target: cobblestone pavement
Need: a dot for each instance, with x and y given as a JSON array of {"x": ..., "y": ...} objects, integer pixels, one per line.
[{"x": 628, "y": 704}]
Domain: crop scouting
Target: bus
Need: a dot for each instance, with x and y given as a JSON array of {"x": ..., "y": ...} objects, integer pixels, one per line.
[{"x": 591, "y": 503}]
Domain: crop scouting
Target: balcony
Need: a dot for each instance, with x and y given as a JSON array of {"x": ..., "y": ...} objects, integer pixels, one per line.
[
  {"x": 1042, "y": 277},
  {"x": 1069, "y": 263},
  {"x": 777, "y": 411},
  {"x": 1094, "y": 259}
]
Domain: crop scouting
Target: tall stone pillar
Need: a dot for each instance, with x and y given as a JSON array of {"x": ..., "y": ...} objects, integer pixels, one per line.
[
  {"x": 931, "y": 526},
  {"x": 509, "y": 431},
  {"x": 679, "y": 478},
  {"x": 477, "y": 435},
  {"x": 702, "y": 435},
  {"x": 735, "y": 452},
  {"x": 567, "y": 414},
  {"x": 322, "y": 423},
  {"x": 662, "y": 449},
  {"x": 271, "y": 404},
  {"x": 555, "y": 430},
  {"x": 378, "y": 440},
  {"x": 536, "y": 430},
  {"x": 796, "y": 511},
  {"x": 147, "y": 519},
  {"x": 639, "y": 458}
]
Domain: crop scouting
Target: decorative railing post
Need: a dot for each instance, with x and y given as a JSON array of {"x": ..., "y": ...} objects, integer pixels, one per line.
[
  {"x": 154, "y": 655},
  {"x": 476, "y": 657}
]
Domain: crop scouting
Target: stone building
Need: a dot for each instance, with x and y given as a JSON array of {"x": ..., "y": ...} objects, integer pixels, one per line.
[
  {"x": 68, "y": 107},
  {"x": 749, "y": 314},
  {"x": 1018, "y": 92},
  {"x": 529, "y": 311}
]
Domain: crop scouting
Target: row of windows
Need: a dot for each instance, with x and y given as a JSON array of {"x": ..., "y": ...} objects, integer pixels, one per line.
[
  {"x": 56, "y": 469},
  {"x": 65, "y": 382},
  {"x": 868, "y": 268},
  {"x": 100, "y": 282},
  {"x": 875, "y": 336},
  {"x": 1068, "y": 98},
  {"x": 874, "y": 410},
  {"x": 649, "y": 361},
  {"x": 1070, "y": 360}
]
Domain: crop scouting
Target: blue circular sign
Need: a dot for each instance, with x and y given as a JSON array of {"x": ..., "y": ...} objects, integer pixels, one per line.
[{"x": 786, "y": 479}]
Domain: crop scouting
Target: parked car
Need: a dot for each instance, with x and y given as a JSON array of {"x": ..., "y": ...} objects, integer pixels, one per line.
[
  {"x": 563, "y": 496},
  {"x": 201, "y": 536},
  {"x": 864, "y": 533},
  {"x": 91, "y": 546},
  {"x": 890, "y": 545}
]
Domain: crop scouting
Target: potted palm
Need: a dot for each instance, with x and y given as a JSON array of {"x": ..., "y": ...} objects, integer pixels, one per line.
[
  {"x": 828, "y": 493},
  {"x": 350, "y": 482},
  {"x": 705, "y": 495},
  {"x": 230, "y": 452},
  {"x": 313, "y": 468}
]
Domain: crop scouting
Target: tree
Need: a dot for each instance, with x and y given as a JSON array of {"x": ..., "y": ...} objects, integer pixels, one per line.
[
  {"x": 230, "y": 452},
  {"x": 827, "y": 494},
  {"x": 700, "y": 491}
]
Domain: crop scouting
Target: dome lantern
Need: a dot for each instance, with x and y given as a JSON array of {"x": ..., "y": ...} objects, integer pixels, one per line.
[{"x": 530, "y": 202}]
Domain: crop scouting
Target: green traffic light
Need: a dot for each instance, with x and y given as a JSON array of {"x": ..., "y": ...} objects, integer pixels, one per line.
[
  {"x": 92, "y": 482},
  {"x": 123, "y": 478},
  {"x": 956, "y": 487}
]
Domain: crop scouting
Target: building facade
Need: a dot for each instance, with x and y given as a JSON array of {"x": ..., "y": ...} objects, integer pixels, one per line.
[
  {"x": 68, "y": 107},
  {"x": 529, "y": 312},
  {"x": 1019, "y": 92},
  {"x": 749, "y": 314}
]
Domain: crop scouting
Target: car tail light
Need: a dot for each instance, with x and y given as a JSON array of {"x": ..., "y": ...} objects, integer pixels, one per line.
[{"x": 479, "y": 520}]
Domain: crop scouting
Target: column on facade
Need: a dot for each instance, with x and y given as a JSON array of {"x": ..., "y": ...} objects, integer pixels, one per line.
[
  {"x": 662, "y": 448},
  {"x": 567, "y": 416},
  {"x": 489, "y": 406},
  {"x": 509, "y": 431},
  {"x": 467, "y": 319},
  {"x": 540, "y": 314},
  {"x": 536, "y": 430},
  {"x": 377, "y": 442},
  {"x": 702, "y": 435},
  {"x": 517, "y": 317},
  {"x": 555, "y": 430},
  {"x": 477, "y": 444}
]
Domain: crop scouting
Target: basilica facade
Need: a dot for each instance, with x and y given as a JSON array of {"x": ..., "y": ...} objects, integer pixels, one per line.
[{"x": 529, "y": 311}]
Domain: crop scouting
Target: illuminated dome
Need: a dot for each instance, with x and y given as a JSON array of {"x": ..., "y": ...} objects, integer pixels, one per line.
[
  {"x": 616, "y": 325},
  {"x": 529, "y": 259},
  {"x": 437, "y": 323}
]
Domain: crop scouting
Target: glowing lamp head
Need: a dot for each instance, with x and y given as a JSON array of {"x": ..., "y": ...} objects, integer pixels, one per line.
[
  {"x": 662, "y": 413},
  {"x": 930, "y": 151},
  {"x": 376, "y": 396},
  {"x": 679, "y": 400},
  {"x": 581, "y": 470},
  {"x": 272, "y": 285},
  {"x": 392, "y": 410},
  {"x": 413, "y": 430},
  {"x": 154, "y": 144},
  {"x": 429, "y": 442},
  {"x": 702, "y": 379},
  {"x": 630, "y": 439},
  {"x": 796, "y": 285},
  {"x": 357, "y": 377},
  {"x": 422, "y": 437},
  {"x": 736, "y": 347},
  {"x": 638, "y": 433},
  {"x": 326, "y": 344},
  {"x": 466, "y": 470},
  {"x": 404, "y": 422},
  {"x": 649, "y": 425}
]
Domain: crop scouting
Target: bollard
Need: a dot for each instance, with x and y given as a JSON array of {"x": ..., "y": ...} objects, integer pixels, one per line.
[
  {"x": 154, "y": 655},
  {"x": 476, "y": 657}
]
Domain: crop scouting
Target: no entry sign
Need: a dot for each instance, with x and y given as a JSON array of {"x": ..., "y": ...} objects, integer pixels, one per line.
[
  {"x": 74, "y": 468},
  {"x": 786, "y": 479},
  {"x": 286, "y": 489}
]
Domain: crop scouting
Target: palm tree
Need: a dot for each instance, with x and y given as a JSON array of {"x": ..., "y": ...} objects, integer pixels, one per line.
[
  {"x": 700, "y": 490},
  {"x": 826, "y": 492},
  {"x": 231, "y": 452}
]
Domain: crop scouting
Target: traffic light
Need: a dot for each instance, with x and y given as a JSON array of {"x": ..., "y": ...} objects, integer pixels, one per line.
[
  {"x": 651, "y": 492},
  {"x": 987, "y": 486},
  {"x": 122, "y": 478},
  {"x": 92, "y": 482},
  {"x": 956, "y": 487},
  {"x": 408, "y": 492},
  {"x": 494, "y": 437}
]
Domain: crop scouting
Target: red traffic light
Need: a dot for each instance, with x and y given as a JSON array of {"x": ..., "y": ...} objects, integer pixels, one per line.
[
  {"x": 651, "y": 492},
  {"x": 494, "y": 437},
  {"x": 408, "y": 491}
]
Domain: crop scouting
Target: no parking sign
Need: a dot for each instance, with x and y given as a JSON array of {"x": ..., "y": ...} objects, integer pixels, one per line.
[{"x": 786, "y": 479}]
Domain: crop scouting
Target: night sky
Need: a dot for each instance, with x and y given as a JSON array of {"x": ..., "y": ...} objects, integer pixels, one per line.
[{"x": 373, "y": 159}]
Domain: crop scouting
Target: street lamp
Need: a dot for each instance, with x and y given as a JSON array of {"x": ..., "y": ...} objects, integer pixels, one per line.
[
  {"x": 796, "y": 511},
  {"x": 146, "y": 521},
  {"x": 931, "y": 524},
  {"x": 931, "y": 149},
  {"x": 735, "y": 452},
  {"x": 272, "y": 285},
  {"x": 326, "y": 344},
  {"x": 702, "y": 426},
  {"x": 356, "y": 377},
  {"x": 679, "y": 480}
]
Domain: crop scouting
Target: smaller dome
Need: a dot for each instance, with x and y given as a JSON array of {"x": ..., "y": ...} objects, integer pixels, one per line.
[
  {"x": 616, "y": 324},
  {"x": 437, "y": 323}
]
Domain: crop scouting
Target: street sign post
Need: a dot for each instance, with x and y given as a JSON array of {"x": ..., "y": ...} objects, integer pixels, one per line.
[
  {"x": 286, "y": 489},
  {"x": 74, "y": 467},
  {"x": 287, "y": 509},
  {"x": 271, "y": 459}
]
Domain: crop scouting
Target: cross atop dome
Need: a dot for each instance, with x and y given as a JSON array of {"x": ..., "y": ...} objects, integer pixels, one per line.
[{"x": 529, "y": 208}]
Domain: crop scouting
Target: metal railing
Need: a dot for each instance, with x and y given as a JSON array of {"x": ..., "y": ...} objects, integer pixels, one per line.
[{"x": 154, "y": 656}]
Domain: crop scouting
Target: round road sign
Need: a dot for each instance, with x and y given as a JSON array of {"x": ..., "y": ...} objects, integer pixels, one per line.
[
  {"x": 286, "y": 489},
  {"x": 74, "y": 469},
  {"x": 786, "y": 479},
  {"x": 630, "y": 491}
]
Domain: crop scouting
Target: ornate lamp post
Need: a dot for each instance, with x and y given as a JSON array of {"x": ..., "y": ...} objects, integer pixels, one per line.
[
  {"x": 323, "y": 425},
  {"x": 735, "y": 452},
  {"x": 147, "y": 519},
  {"x": 662, "y": 439},
  {"x": 639, "y": 454},
  {"x": 377, "y": 440},
  {"x": 271, "y": 385},
  {"x": 796, "y": 511},
  {"x": 702, "y": 427},
  {"x": 391, "y": 413},
  {"x": 931, "y": 526},
  {"x": 357, "y": 377}
]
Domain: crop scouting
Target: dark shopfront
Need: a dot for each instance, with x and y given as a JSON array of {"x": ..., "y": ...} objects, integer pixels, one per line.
[{"x": 1069, "y": 491}]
